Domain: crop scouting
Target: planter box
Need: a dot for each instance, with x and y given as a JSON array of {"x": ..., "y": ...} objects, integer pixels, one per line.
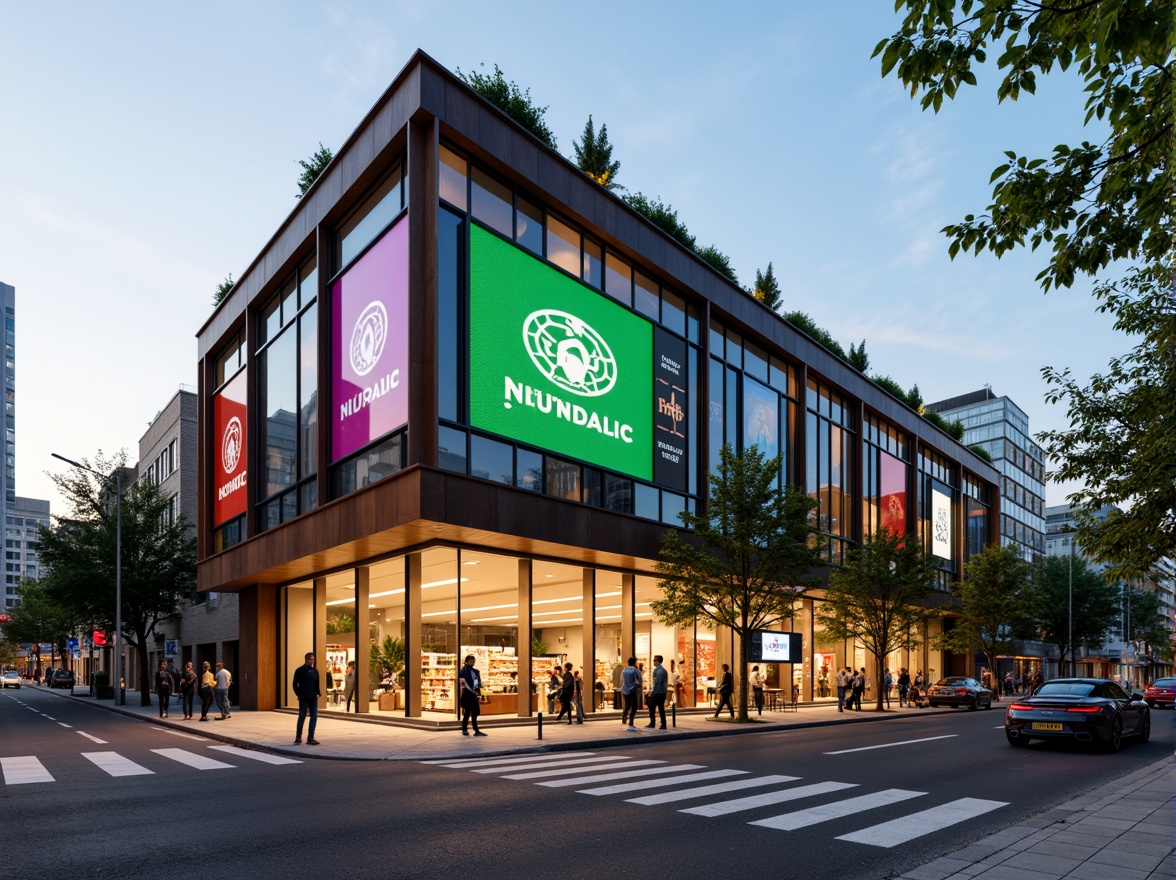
[{"x": 390, "y": 702}]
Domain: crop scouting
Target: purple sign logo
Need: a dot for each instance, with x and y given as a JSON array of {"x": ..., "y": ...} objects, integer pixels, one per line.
[{"x": 369, "y": 345}]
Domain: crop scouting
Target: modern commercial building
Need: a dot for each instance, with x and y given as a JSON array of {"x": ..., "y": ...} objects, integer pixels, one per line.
[
  {"x": 463, "y": 391},
  {"x": 206, "y": 627},
  {"x": 1000, "y": 427}
]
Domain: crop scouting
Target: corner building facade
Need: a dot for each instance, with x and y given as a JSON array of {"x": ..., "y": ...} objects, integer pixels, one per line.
[{"x": 458, "y": 398}]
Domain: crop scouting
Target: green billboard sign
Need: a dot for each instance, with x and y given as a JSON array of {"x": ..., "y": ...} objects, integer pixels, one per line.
[{"x": 555, "y": 364}]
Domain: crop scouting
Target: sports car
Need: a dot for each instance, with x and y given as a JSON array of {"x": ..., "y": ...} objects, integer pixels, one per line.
[
  {"x": 957, "y": 690},
  {"x": 1088, "y": 710}
]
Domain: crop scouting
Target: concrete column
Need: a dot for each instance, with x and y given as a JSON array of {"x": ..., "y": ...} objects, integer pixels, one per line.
[
  {"x": 524, "y": 651},
  {"x": 320, "y": 636},
  {"x": 588, "y": 640},
  {"x": 412, "y": 635},
  {"x": 628, "y": 619},
  {"x": 363, "y": 687}
]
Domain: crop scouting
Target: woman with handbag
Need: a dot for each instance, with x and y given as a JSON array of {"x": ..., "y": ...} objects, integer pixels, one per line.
[
  {"x": 163, "y": 688},
  {"x": 207, "y": 685},
  {"x": 187, "y": 689},
  {"x": 349, "y": 687}
]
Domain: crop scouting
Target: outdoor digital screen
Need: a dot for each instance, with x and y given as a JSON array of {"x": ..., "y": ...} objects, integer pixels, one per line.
[
  {"x": 556, "y": 365},
  {"x": 369, "y": 345},
  {"x": 940, "y": 523},
  {"x": 774, "y": 647},
  {"x": 892, "y": 514},
  {"x": 230, "y": 491}
]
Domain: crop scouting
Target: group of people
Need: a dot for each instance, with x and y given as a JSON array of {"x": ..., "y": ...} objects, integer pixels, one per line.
[
  {"x": 850, "y": 686},
  {"x": 208, "y": 685}
]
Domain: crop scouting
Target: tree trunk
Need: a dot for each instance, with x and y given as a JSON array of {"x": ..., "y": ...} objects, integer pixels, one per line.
[
  {"x": 741, "y": 715},
  {"x": 144, "y": 672}
]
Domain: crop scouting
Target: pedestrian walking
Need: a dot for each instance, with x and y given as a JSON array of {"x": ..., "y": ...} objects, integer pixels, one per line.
[
  {"x": 164, "y": 685},
  {"x": 888, "y": 683},
  {"x": 567, "y": 693},
  {"x": 187, "y": 689},
  {"x": 904, "y": 685},
  {"x": 224, "y": 678},
  {"x": 308, "y": 691},
  {"x": 658, "y": 689},
  {"x": 857, "y": 689},
  {"x": 726, "y": 689},
  {"x": 675, "y": 685},
  {"x": 842, "y": 681},
  {"x": 630, "y": 690},
  {"x": 349, "y": 687},
  {"x": 469, "y": 681},
  {"x": 554, "y": 684},
  {"x": 579, "y": 698},
  {"x": 757, "y": 688},
  {"x": 207, "y": 685}
]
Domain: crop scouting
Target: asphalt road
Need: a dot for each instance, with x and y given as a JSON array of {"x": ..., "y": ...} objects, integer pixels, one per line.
[{"x": 87, "y": 793}]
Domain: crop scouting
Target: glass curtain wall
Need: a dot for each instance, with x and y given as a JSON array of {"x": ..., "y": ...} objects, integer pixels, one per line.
[
  {"x": 829, "y": 468},
  {"x": 437, "y": 655},
  {"x": 383, "y": 684},
  {"x": 490, "y": 626},
  {"x": 340, "y": 611},
  {"x": 609, "y": 658},
  {"x": 557, "y": 616}
]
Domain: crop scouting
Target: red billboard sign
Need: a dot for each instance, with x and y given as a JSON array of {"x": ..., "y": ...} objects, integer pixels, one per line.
[{"x": 229, "y": 451}]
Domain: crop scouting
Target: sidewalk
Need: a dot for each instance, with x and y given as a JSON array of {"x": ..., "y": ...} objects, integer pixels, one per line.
[{"x": 1125, "y": 830}]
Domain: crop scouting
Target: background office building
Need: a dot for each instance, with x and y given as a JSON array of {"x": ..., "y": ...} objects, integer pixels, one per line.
[
  {"x": 1001, "y": 427},
  {"x": 457, "y": 400}
]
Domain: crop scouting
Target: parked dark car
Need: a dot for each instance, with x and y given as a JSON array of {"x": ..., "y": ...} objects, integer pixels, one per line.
[
  {"x": 11, "y": 679},
  {"x": 958, "y": 690},
  {"x": 1161, "y": 692},
  {"x": 1090, "y": 710},
  {"x": 62, "y": 678}
]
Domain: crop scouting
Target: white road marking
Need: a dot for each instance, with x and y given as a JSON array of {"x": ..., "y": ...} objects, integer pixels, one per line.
[
  {"x": 63, "y": 724},
  {"x": 569, "y": 771},
  {"x": 657, "y": 783},
  {"x": 181, "y": 734},
  {"x": 898, "y": 831},
  {"x": 51, "y": 718},
  {"x": 685, "y": 794},
  {"x": 18, "y": 771},
  {"x": 624, "y": 774},
  {"x": 838, "y": 809},
  {"x": 568, "y": 762},
  {"x": 905, "y": 742},
  {"x": 92, "y": 738},
  {"x": 486, "y": 762},
  {"x": 199, "y": 762},
  {"x": 264, "y": 757},
  {"x": 722, "y": 808},
  {"x": 116, "y": 765}
]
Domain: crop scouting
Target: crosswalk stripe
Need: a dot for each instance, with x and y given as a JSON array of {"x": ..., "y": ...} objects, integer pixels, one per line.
[
  {"x": 92, "y": 738},
  {"x": 567, "y": 762},
  {"x": 837, "y": 809},
  {"x": 568, "y": 771},
  {"x": 264, "y": 757},
  {"x": 888, "y": 834},
  {"x": 486, "y": 762},
  {"x": 116, "y": 765},
  {"x": 198, "y": 762},
  {"x": 722, "y": 808},
  {"x": 684, "y": 794},
  {"x": 658, "y": 783},
  {"x": 18, "y": 771},
  {"x": 624, "y": 774}
]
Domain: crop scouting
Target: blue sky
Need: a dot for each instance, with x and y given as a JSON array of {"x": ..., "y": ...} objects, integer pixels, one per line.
[{"x": 147, "y": 150}]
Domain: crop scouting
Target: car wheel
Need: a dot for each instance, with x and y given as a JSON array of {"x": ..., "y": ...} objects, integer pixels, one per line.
[
  {"x": 1145, "y": 729},
  {"x": 1115, "y": 740},
  {"x": 1151, "y": 704},
  {"x": 933, "y": 705},
  {"x": 974, "y": 705},
  {"x": 988, "y": 705},
  {"x": 1019, "y": 742}
]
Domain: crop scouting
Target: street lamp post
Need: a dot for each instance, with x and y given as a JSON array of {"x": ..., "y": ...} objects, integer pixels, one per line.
[{"x": 119, "y": 694}]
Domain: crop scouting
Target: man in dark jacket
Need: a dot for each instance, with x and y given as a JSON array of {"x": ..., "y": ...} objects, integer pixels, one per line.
[
  {"x": 306, "y": 688},
  {"x": 726, "y": 689},
  {"x": 567, "y": 691}
]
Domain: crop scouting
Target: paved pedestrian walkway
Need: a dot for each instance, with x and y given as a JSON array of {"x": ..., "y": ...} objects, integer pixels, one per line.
[{"x": 1125, "y": 830}]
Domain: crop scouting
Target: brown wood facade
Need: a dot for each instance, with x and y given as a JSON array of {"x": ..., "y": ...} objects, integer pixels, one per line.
[{"x": 423, "y": 504}]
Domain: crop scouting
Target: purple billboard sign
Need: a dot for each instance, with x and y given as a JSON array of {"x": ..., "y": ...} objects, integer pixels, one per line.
[{"x": 369, "y": 345}]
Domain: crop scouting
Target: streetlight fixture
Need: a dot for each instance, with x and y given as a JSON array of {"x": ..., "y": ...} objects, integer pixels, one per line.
[{"x": 119, "y": 694}]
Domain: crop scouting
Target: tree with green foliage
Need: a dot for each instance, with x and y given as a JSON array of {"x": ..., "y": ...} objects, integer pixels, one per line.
[
  {"x": 313, "y": 167},
  {"x": 38, "y": 618},
  {"x": 1064, "y": 583},
  {"x": 749, "y": 558},
  {"x": 511, "y": 100},
  {"x": 719, "y": 261},
  {"x": 1092, "y": 205},
  {"x": 1143, "y": 620},
  {"x": 857, "y": 357},
  {"x": 993, "y": 604},
  {"x": 594, "y": 156},
  {"x": 158, "y": 557},
  {"x": 805, "y": 324},
  {"x": 223, "y": 289},
  {"x": 660, "y": 215},
  {"x": 878, "y": 598},
  {"x": 767, "y": 288}
]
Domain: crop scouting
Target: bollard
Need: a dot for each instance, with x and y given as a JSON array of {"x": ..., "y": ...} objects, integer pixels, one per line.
[
  {"x": 674, "y": 714},
  {"x": 540, "y": 725}
]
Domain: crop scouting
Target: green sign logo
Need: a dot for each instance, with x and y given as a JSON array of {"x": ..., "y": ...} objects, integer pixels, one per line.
[{"x": 556, "y": 365}]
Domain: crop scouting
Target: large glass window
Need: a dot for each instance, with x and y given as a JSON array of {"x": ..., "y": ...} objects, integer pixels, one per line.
[
  {"x": 490, "y": 626},
  {"x": 450, "y": 272},
  {"x": 437, "y": 652},
  {"x": 378, "y": 209},
  {"x": 829, "y": 469},
  {"x": 884, "y": 478}
]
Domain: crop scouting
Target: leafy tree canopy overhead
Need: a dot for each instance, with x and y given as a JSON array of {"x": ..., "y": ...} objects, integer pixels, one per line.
[
  {"x": 594, "y": 156},
  {"x": 312, "y": 168},
  {"x": 511, "y": 100}
]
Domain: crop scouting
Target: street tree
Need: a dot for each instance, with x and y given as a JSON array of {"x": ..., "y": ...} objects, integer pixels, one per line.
[
  {"x": 37, "y": 619},
  {"x": 1143, "y": 621},
  {"x": 878, "y": 598},
  {"x": 993, "y": 603},
  {"x": 1073, "y": 606},
  {"x": 748, "y": 560},
  {"x": 158, "y": 556},
  {"x": 594, "y": 156},
  {"x": 511, "y": 100},
  {"x": 312, "y": 168},
  {"x": 1096, "y": 207},
  {"x": 767, "y": 288}
]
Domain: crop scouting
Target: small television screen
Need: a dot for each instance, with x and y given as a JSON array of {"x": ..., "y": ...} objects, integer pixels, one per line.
[{"x": 774, "y": 647}]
